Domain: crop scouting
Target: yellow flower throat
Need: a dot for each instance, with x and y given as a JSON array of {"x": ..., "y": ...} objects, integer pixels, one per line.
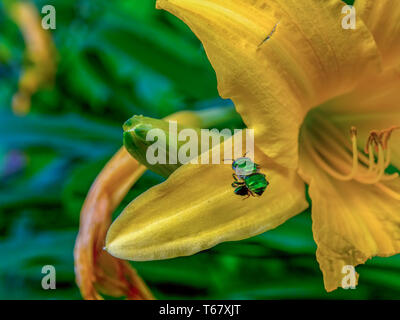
[{"x": 325, "y": 147}]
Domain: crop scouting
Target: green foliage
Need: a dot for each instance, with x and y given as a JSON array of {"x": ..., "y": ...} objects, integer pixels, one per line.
[{"x": 117, "y": 59}]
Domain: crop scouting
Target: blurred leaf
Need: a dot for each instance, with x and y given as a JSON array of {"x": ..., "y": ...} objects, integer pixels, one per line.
[
  {"x": 20, "y": 274},
  {"x": 69, "y": 134}
]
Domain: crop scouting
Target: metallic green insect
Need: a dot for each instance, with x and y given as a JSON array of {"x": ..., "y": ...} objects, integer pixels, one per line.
[{"x": 248, "y": 180}]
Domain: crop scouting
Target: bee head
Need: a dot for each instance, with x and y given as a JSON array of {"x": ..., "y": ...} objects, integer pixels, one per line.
[{"x": 242, "y": 163}]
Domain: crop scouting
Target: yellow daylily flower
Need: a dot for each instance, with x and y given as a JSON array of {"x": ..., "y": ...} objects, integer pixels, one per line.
[{"x": 324, "y": 104}]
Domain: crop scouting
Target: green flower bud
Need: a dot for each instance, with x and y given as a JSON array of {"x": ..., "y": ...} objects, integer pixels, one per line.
[
  {"x": 141, "y": 133},
  {"x": 155, "y": 143}
]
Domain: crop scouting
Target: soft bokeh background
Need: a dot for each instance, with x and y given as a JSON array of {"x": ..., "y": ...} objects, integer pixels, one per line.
[{"x": 116, "y": 59}]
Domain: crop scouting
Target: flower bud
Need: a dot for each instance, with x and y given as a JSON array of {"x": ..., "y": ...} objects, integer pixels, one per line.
[{"x": 142, "y": 134}]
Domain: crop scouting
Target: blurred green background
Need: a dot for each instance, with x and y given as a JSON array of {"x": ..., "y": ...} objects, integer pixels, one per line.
[{"x": 116, "y": 59}]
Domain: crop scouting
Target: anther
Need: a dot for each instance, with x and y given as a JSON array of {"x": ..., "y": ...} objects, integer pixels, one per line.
[{"x": 353, "y": 132}]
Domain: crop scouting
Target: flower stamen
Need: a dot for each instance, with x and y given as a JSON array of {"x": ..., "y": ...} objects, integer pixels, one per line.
[{"x": 369, "y": 171}]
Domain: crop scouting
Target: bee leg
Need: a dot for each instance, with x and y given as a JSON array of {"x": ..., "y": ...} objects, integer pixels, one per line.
[
  {"x": 237, "y": 184},
  {"x": 251, "y": 193},
  {"x": 235, "y": 177},
  {"x": 248, "y": 195}
]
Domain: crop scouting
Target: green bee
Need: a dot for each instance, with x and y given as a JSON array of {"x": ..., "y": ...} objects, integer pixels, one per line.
[{"x": 248, "y": 179}]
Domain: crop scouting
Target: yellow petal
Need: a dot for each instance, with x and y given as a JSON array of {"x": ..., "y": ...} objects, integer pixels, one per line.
[
  {"x": 383, "y": 20},
  {"x": 352, "y": 222},
  {"x": 196, "y": 208},
  {"x": 307, "y": 59},
  {"x": 373, "y": 105}
]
